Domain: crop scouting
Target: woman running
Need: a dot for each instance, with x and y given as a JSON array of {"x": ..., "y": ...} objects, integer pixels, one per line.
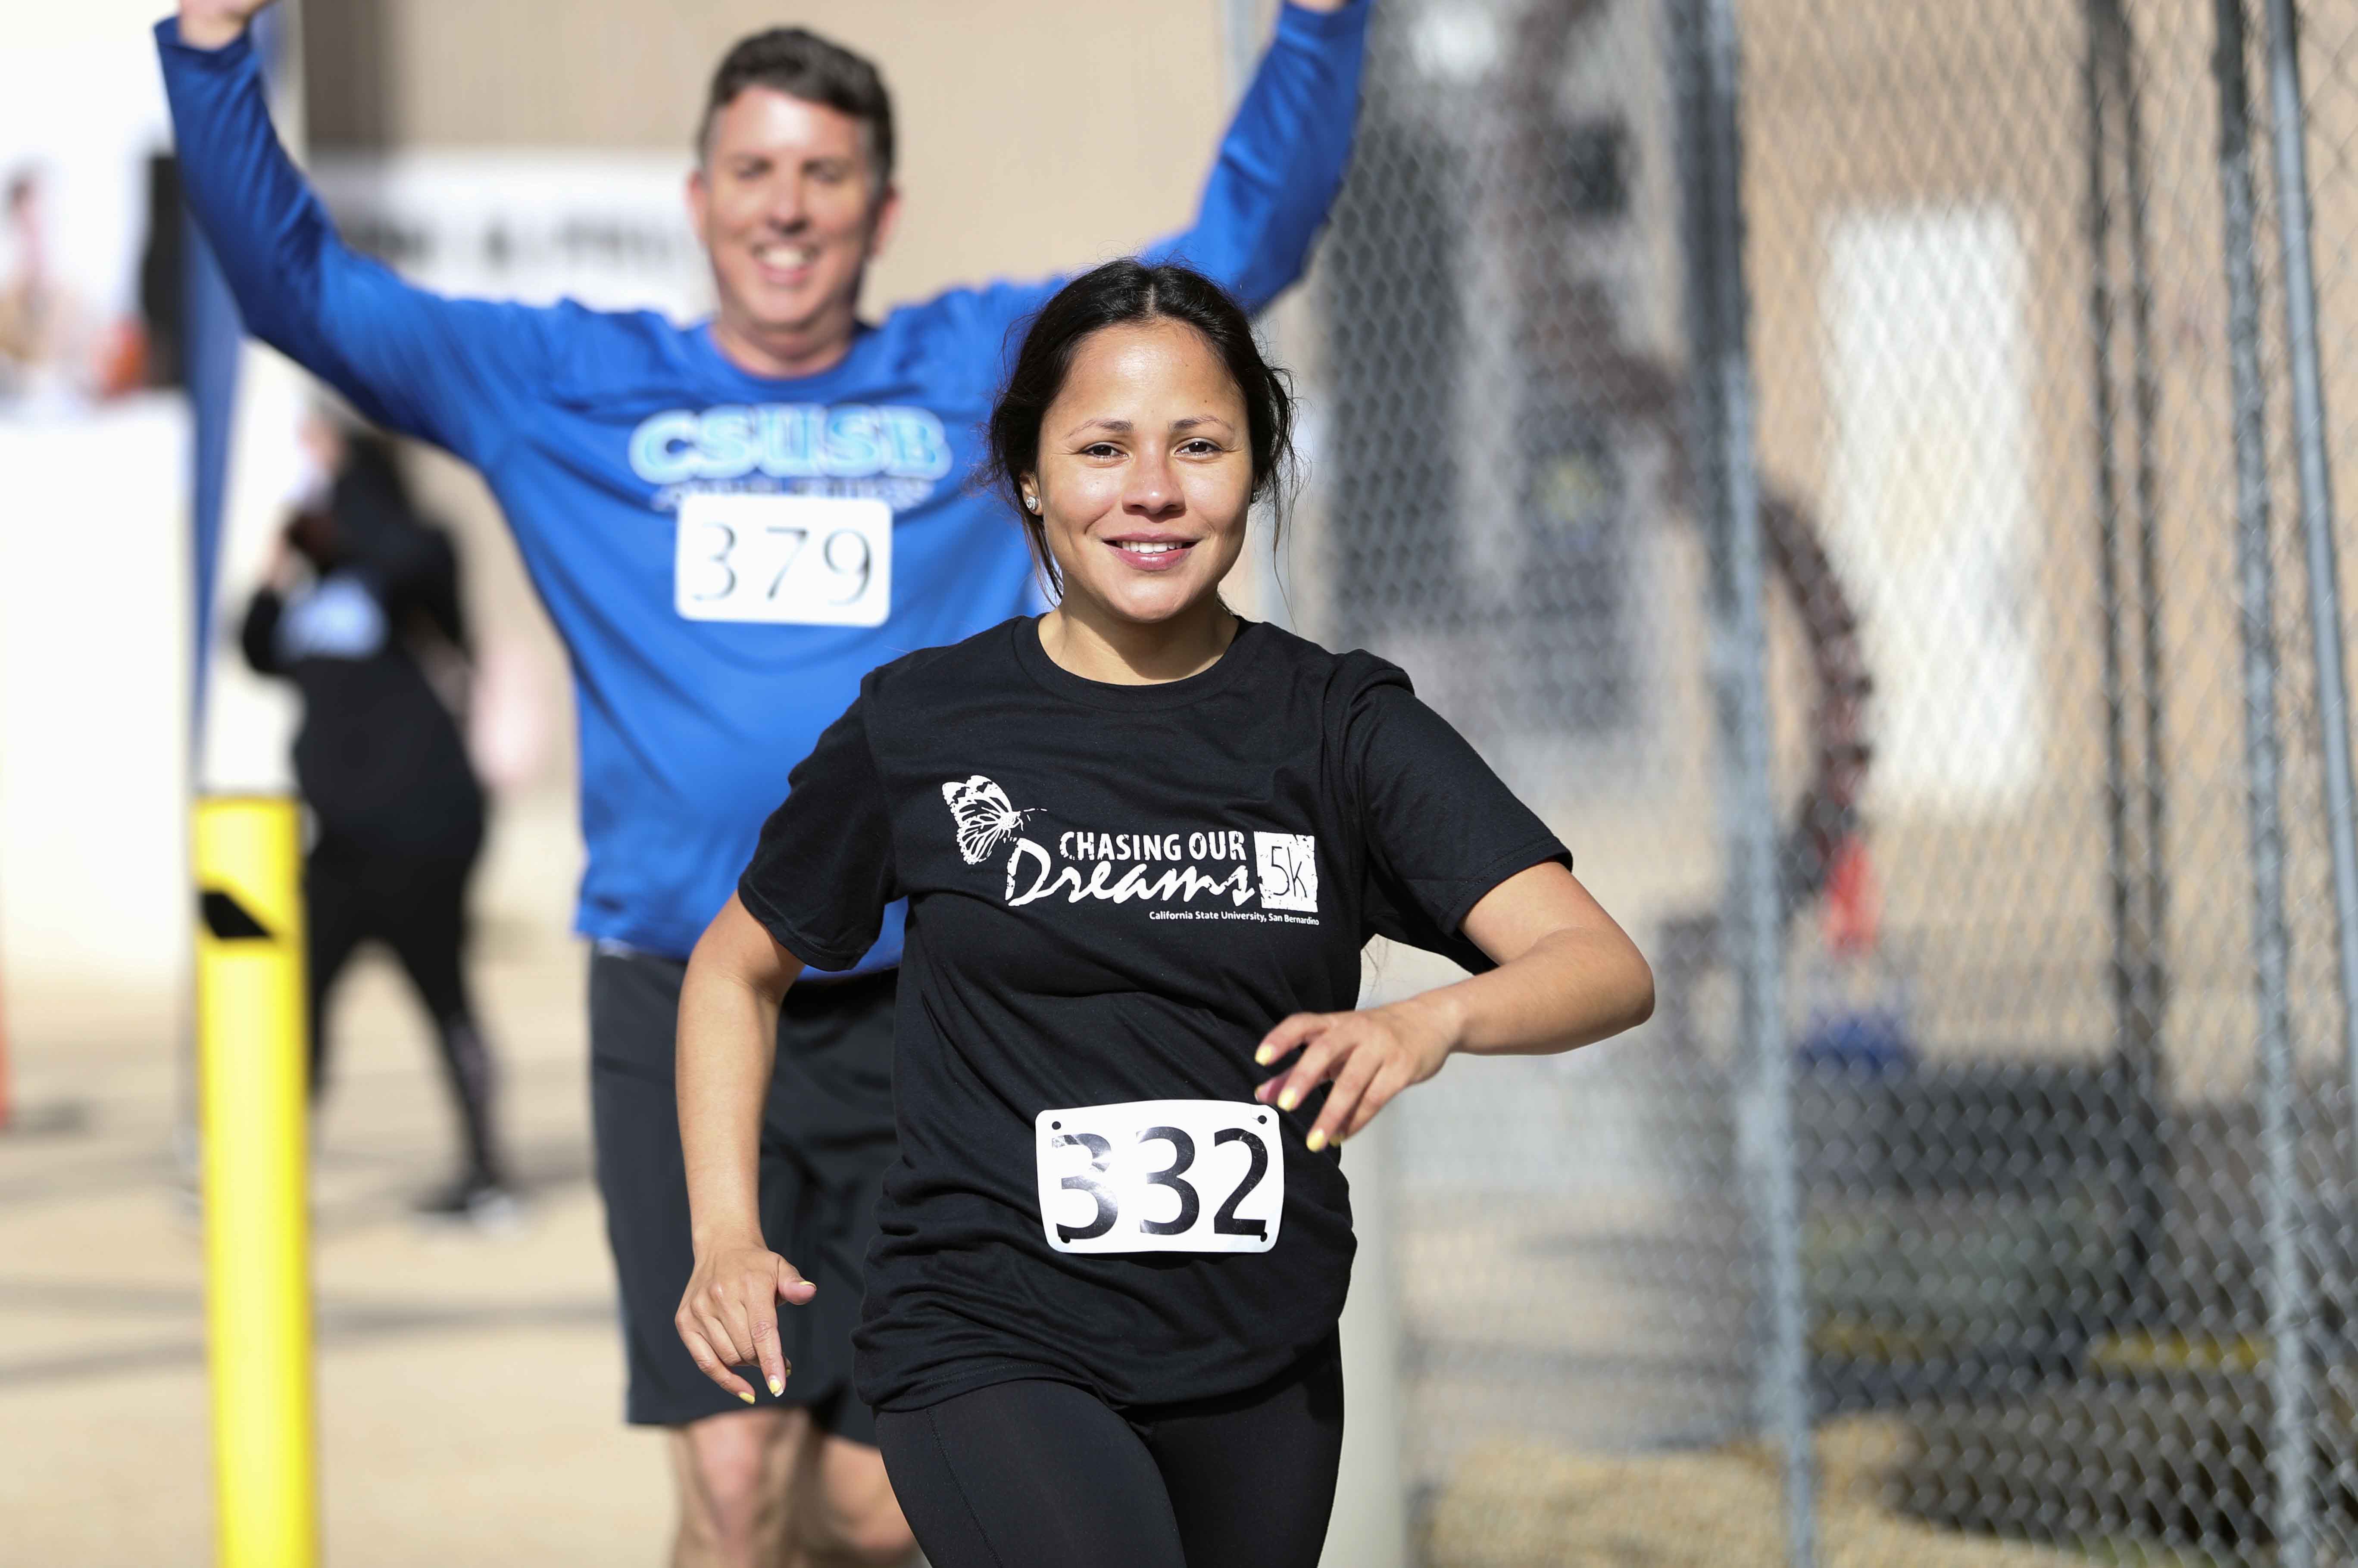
[{"x": 1144, "y": 841}]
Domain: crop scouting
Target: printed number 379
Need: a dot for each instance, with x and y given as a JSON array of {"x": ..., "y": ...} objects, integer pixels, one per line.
[
  {"x": 785, "y": 559},
  {"x": 844, "y": 555}
]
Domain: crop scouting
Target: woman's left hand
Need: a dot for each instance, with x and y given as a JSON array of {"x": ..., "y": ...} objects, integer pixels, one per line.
[{"x": 1369, "y": 1057}]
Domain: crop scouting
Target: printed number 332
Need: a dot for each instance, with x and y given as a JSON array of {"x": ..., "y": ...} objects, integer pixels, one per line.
[{"x": 1160, "y": 1176}]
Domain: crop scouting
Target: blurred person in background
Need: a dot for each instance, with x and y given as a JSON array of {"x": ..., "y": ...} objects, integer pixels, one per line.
[
  {"x": 360, "y": 611},
  {"x": 679, "y": 496},
  {"x": 46, "y": 350}
]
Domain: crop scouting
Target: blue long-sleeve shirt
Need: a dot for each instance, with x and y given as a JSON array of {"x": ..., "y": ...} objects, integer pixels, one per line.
[{"x": 591, "y": 426}]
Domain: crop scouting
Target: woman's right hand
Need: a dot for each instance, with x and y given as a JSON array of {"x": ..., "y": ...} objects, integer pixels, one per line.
[{"x": 728, "y": 1316}]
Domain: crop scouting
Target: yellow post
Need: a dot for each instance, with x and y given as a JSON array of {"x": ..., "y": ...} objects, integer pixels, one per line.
[{"x": 250, "y": 1033}]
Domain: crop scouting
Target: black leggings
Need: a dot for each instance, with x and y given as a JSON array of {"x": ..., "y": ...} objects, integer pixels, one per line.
[
  {"x": 1045, "y": 1475},
  {"x": 415, "y": 904}
]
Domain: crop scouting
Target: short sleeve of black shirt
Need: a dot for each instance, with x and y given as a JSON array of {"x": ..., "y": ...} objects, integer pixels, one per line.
[
  {"x": 1441, "y": 828},
  {"x": 823, "y": 872}
]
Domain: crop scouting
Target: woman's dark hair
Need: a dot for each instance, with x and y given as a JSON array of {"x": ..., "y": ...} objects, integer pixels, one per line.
[
  {"x": 1121, "y": 294},
  {"x": 367, "y": 511}
]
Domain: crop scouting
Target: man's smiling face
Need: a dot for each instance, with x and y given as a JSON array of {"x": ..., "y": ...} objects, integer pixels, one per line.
[{"x": 790, "y": 211}]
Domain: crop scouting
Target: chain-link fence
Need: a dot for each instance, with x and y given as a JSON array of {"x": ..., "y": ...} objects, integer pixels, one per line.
[{"x": 1995, "y": 1119}]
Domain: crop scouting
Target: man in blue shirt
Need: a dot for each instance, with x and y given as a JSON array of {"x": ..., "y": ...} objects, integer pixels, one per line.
[{"x": 730, "y": 524}]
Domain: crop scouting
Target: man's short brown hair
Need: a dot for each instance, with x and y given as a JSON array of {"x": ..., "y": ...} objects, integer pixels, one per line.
[{"x": 800, "y": 64}]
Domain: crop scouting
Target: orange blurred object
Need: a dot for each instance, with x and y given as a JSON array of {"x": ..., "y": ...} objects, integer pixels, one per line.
[
  {"x": 1854, "y": 913},
  {"x": 121, "y": 360}
]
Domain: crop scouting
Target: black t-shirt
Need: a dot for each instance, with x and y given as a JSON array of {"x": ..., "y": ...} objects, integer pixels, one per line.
[{"x": 1114, "y": 892}]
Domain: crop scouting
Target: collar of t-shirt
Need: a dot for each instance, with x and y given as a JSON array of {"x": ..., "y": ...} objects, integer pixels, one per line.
[{"x": 1153, "y": 697}]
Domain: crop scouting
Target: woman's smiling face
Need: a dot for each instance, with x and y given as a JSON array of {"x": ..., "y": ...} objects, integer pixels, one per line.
[{"x": 1145, "y": 471}]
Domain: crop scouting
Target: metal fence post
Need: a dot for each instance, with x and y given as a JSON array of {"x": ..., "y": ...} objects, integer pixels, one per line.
[
  {"x": 1704, "y": 33},
  {"x": 2289, "y": 1459},
  {"x": 2103, "y": 21},
  {"x": 2139, "y": 886},
  {"x": 2288, "y": 126}
]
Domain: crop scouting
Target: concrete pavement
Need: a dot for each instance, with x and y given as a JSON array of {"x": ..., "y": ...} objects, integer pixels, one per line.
[{"x": 469, "y": 1384}]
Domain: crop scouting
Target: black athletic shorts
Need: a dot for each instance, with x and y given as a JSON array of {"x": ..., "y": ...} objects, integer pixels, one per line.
[{"x": 825, "y": 1142}]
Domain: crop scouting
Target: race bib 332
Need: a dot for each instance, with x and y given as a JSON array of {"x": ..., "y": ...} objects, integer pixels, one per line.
[{"x": 1161, "y": 1175}]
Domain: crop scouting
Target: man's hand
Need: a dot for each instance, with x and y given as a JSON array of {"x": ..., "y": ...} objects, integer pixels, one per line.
[
  {"x": 729, "y": 1314},
  {"x": 212, "y": 24}
]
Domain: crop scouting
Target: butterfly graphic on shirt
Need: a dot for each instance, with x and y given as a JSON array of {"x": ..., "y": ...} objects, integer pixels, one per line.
[{"x": 986, "y": 818}]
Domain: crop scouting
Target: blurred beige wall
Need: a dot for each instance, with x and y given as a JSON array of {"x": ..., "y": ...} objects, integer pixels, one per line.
[{"x": 1033, "y": 136}]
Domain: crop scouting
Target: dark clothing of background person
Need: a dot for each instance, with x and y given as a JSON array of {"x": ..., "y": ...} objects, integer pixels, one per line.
[
  {"x": 381, "y": 763},
  {"x": 379, "y": 759}
]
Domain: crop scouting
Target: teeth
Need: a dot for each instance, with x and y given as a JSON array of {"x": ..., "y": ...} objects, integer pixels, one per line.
[{"x": 1148, "y": 549}]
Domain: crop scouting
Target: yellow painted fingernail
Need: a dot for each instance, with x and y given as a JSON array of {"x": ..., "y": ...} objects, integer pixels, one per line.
[
  {"x": 777, "y": 1385},
  {"x": 1315, "y": 1141},
  {"x": 1286, "y": 1100},
  {"x": 747, "y": 1397},
  {"x": 1262, "y": 1056}
]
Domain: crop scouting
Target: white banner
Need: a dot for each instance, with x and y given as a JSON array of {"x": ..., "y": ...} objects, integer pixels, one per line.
[{"x": 608, "y": 228}]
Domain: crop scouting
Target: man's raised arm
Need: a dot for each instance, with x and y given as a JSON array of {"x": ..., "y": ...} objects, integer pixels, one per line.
[
  {"x": 1281, "y": 163},
  {"x": 439, "y": 369}
]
